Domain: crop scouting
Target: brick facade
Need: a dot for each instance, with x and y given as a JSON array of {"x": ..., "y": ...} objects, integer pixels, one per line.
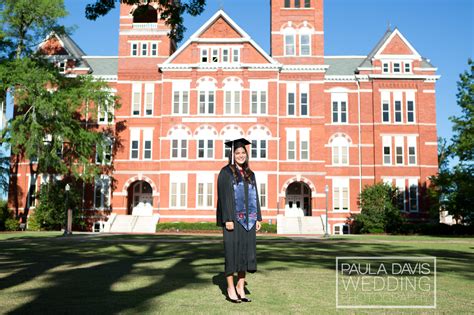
[{"x": 315, "y": 120}]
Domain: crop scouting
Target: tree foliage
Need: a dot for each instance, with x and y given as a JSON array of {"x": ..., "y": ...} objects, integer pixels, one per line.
[
  {"x": 453, "y": 189},
  {"x": 170, "y": 11},
  {"x": 50, "y": 214},
  {"x": 54, "y": 124},
  {"x": 379, "y": 212}
]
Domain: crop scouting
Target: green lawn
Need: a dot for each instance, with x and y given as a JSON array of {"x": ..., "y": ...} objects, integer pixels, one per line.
[{"x": 45, "y": 273}]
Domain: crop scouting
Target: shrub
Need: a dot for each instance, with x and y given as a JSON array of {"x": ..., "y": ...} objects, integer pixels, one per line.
[
  {"x": 4, "y": 214},
  {"x": 50, "y": 213},
  {"x": 33, "y": 224},
  {"x": 203, "y": 226},
  {"x": 12, "y": 224},
  {"x": 379, "y": 211}
]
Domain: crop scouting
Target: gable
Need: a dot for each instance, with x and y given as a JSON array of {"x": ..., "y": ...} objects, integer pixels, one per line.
[
  {"x": 220, "y": 29},
  {"x": 397, "y": 46},
  {"x": 52, "y": 47}
]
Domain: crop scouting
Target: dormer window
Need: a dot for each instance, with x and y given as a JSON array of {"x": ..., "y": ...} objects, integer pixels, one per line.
[
  {"x": 144, "y": 49},
  {"x": 236, "y": 55},
  {"x": 134, "y": 51},
  {"x": 62, "y": 66},
  {"x": 215, "y": 55},
  {"x": 385, "y": 67},
  {"x": 396, "y": 67},
  {"x": 407, "y": 67},
  {"x": 225, "y": 55},
  {"x": 204, "y": 55}
]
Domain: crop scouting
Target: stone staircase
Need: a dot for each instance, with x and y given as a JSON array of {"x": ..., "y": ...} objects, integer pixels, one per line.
[
  {"x": 131, "y": 223},
  {"x": 300, "y": 225}
]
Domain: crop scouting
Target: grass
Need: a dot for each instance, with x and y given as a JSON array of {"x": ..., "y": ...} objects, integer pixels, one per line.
[
  {"x": 44, "y": 273},
  {"x": 203, "y": 226}
]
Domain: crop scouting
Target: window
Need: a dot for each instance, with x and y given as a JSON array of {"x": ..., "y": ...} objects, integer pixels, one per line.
[
  {"x": 410, "y": 96},
  {"x": 103, "y": 154},
  {"x": 340, "y": 150},
  {"x": 339, "y": 108},
  {"x": 134, "y": 143},
  {"x": 287, "y": 3},
  {"x": 181, "y": 97},
  {"x": 225, "y": 55},
  {"x": 387, "y": 150},
  {"x": 259, "y": 149},
  {"x": 291, "y": 144},
  {"x": 235, "y": 55},
  {"x": 304, "y": 88},
  {"x": 226, "y": 149},
  {"x": 386, "y": 107},
  {"x": 147, "y": 144},
  {"x": 144, "y": 49},
  {"x": 215, "y": 55},
  {"x": 307, "y": 3},
  {"x": 305, "y": 44},
  {"x": 291, "y": 103},
  {"x": 178, "y": 194},
  {"x": 102, "y": 192},
  {"x": 206, "y": 102},
  {"x": 31, "y": 202},
  {"x": 340, "y": 194},
  {"x": 411, "y": 150},
  {"x": 134, "y": 50},
  {"x": 205, "y": 190},
  {"x": 413, "y": 195},
  {"x": 149, "y": 89},
  {"x": 399, "y": 150},
  {"x": 262, "y": 192},
  {"x": 340, "y": 229},
  {"x": 297, "y": 3},
  {"x": 304, "y": 144},
  {"x": 205, "y": 149},
  {"x": 396, "y": 67},
  {"x": 258, "y": 97},
  {"x": 407, "y": 67},
  {"x": 232, "y": 102},
  {"x": 398, "y": 111},
  {"x": 385, "y": 67},
  {"x": 154, "y": 49},
  {"x": 401, "y": 204},
  {"x": 204, "y": 55},
  {"x": 289, "y": 44},
  {"x": 136, "y": 99},
  {"x": 104, "y": 112},
  {"x": 179, "y": 148}
]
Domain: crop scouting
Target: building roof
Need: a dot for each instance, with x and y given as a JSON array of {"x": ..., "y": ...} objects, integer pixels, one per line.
[
  {"x": 342, "y": 65},
  {"x": 367, "y": 62},
  {"x": 103, "y": 66}
]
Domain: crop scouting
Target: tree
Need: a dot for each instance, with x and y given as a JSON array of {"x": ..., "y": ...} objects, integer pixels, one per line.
[
  {"x": 53, "y": 124},
  {"x": 170, "y": 11},
  {"x": 379, "y": 212},
  {"x": 453, "y": 189}
]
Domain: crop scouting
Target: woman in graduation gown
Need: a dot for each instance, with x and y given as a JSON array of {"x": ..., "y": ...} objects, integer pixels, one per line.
[{"x": 238, "y": 212}]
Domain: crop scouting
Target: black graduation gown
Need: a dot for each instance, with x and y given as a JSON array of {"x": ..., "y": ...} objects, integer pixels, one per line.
[{"x": 239, "y": 244}]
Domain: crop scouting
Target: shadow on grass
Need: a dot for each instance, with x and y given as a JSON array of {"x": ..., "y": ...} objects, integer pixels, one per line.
[{"x": 95, "y": 274}]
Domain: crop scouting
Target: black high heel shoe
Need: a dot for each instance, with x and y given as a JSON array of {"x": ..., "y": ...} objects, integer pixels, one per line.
[
  {"x": 232, "y": 300},
  {"x": 244, "y": 299}
]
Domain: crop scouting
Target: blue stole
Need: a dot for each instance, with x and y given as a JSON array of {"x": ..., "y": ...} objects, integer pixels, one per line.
[{"x": 246, "y": 217}]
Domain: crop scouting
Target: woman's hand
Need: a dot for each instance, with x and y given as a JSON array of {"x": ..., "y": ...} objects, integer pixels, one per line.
[
  {"x": 258, "y": 226},
  {"x": 229, "y": 226}
]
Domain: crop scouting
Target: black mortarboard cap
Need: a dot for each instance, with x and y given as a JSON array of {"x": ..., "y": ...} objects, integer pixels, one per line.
[
  {"x": 242, "y": 142},
  {"x": 237, "y": 143}
]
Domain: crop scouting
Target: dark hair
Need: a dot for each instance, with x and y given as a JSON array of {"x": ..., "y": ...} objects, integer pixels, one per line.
[{"x": 248, "y": 174}]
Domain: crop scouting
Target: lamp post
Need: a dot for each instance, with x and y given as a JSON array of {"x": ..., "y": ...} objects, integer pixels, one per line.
[
  {"x": 67, "y": 188},
  {"x": 326, "y": 190}
]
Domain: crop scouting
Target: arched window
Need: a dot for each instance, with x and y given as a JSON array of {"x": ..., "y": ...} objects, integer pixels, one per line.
[
  {"x": 289, "y": 34},
  {"x": 340, "y": 151},
  {"x": 228, "y": 133},
  {"x": 205, "y": 137},
  {"x": 179, "y": 136},
  {"x": 259, "y": 136},
  {"x": 305, "y": 41}
]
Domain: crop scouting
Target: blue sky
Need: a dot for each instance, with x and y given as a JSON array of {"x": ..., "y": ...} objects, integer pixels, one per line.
[{"x": 440, "y": 30}]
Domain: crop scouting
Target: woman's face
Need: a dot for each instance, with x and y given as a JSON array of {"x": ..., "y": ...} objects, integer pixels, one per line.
[{"x": 240, "y": 156}]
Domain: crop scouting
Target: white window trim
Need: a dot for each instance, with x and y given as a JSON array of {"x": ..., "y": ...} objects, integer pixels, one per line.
[
  {"x": 339, "y": 98},
  {"x": 341, "y": 183},
  {"x": 410, "y": 96},
  {"x": 305, "y": 137},
  {"x": 397, "y": 96},
  {"x": 233, "y": 112},
  {"x": 147, "y": 136},
  {"x": 134, "y": 136},
  {"x": 205, "y": 179},
  {"x": 386, "y": 142},
  {"x": 104, "y": 204},
  {"x": 205, "y": 148},
  {"x": 206, "y": 102},
  {"x": 136, "y": 89},
  {"x": 289, "y": 32},
  {"x": 301, "y": 34},
  {"x": 413, "y": 182},
  {"x": 258, "y": 148},
  {"x": 385, "y": 97},
  {"x": 304, "y": 89},
  {"x": 149, "y": 89},
  {"x": 180, "y": 180},
  {"x": 180, "y": 148}
]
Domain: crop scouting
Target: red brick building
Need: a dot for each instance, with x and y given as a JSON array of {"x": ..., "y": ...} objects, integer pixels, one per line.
[{"x": 314, "y": 121}]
